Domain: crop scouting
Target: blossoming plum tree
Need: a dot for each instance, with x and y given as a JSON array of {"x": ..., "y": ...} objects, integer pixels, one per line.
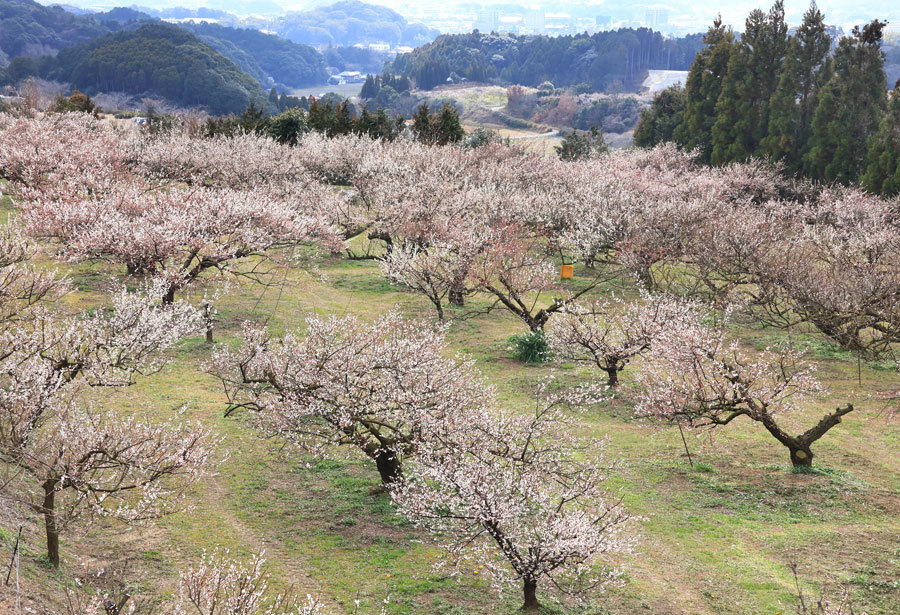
[
  {"x": 383, "y": 388},
  {"x": 223, "y": 585},
  {"x": 513, "y": 495},
  {"x": 52, "y": 443},
  {"x": 695, "y": 376},
  {"x": 609, "y": 333}
]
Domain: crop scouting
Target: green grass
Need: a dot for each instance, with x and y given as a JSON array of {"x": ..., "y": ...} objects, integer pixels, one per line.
[{"x": 714, "y": 539}]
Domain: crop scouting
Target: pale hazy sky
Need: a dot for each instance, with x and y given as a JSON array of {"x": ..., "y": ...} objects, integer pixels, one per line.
[{"x": 694, "y": 13}]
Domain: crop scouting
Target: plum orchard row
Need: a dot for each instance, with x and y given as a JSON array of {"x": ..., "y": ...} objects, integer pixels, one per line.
[{"x": 519, "y": 493}]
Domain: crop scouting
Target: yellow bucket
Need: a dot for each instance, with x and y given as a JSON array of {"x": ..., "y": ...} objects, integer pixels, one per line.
[{"x": 567, "y": 272}]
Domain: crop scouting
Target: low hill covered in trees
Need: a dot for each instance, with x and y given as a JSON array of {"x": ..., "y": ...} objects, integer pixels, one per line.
[
  {"x": 160, "y": 60},
  {"x": 268, "y": 58},
  {"x": 597, "y": 61}
]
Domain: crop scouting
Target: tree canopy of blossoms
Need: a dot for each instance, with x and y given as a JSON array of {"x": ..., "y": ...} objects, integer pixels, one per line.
[
  {"x": 64, "y": 455},
  {"x": 223, "y": 585},
  {"x": 381, "y": 388},
  {"x": 609, "y": 333},
  {"x": 695, "y": 375},
  {"x": 219, "y": 584},
  {"x": 520, "y": 497},
  {"x": 177, "y": 235},
  {"x": 58, "y": 151}
]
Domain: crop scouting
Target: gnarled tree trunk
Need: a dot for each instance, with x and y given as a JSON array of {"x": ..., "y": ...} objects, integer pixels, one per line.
[
  {"x": 531, "y": 604},
  {"x": 456, "y": 297},
  {"x": 612, "y": 375},
  {"x": 169, "y": 296},
  {"x": 800, "y": 446},
  {"x": 48, "y": 508},
  {"x": 388, "y": 464},
  {"x": 801, "y": 456},
  {"x": 208, "y": 321}
]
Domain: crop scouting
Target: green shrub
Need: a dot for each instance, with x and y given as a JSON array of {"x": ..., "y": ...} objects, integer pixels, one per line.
[
  {"x": 582, "y": 146},
  {"x": 530, "y": 347}
]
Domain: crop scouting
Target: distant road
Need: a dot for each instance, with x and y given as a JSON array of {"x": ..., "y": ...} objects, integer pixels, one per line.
[{"x": 536, "y": 135}]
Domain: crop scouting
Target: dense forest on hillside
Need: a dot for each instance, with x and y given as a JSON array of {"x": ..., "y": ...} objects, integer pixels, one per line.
[
  {"x": 822, "y": 111},
  {"x": 121, "y": 15},
  {"x": 241, "y": 58},
  {"x": 596, "y": 60},
  {"x": 156, "y": 59},
  {"x": 30, "y": 29},
  {"x": 281, "y": 61},
  {"x": 349, "y": 23},
  {"x": 355, "y": 58}
]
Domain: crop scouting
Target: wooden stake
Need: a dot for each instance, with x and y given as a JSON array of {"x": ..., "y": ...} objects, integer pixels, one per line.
[
  {"x": 686, "y": 449},
  {"x": 13, "y": 558}
]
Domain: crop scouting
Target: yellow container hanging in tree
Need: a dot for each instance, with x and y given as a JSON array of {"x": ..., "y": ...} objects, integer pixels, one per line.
[{"x": 567, "y": 272}]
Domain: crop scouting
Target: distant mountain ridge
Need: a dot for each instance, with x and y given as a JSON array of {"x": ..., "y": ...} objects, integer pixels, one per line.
[{"x": 350, "y": 22}]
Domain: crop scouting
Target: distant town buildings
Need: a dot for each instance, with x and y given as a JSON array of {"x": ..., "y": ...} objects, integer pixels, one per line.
[
  {"x": 488, "y": 21},
  {"x": 544, "y": 18},
  {"x": 535, "y": 22}
]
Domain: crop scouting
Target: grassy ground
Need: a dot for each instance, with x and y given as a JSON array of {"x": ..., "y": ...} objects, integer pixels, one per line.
[
  {"x": 716, "y": 539},
  {"x": 472, "y": 96},
  {"x": 483, "y": 105}
]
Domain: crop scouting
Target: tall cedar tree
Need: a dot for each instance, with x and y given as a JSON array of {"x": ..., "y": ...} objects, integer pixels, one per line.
[
  {"x": 742, "y": 110},
  {"x": 704, "y": 85},
  {"x": 882, "y": 174},
  {"x": 851, "y": 105},
  {"x": 369, "y": 89},
  {"x": 450, "y": 129},
  {"x": 421, "y": 124},
  {"x": 437, "y": 128},
  {"x": 807, "y": 68},
  {"x": 658, "y": 121}
]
